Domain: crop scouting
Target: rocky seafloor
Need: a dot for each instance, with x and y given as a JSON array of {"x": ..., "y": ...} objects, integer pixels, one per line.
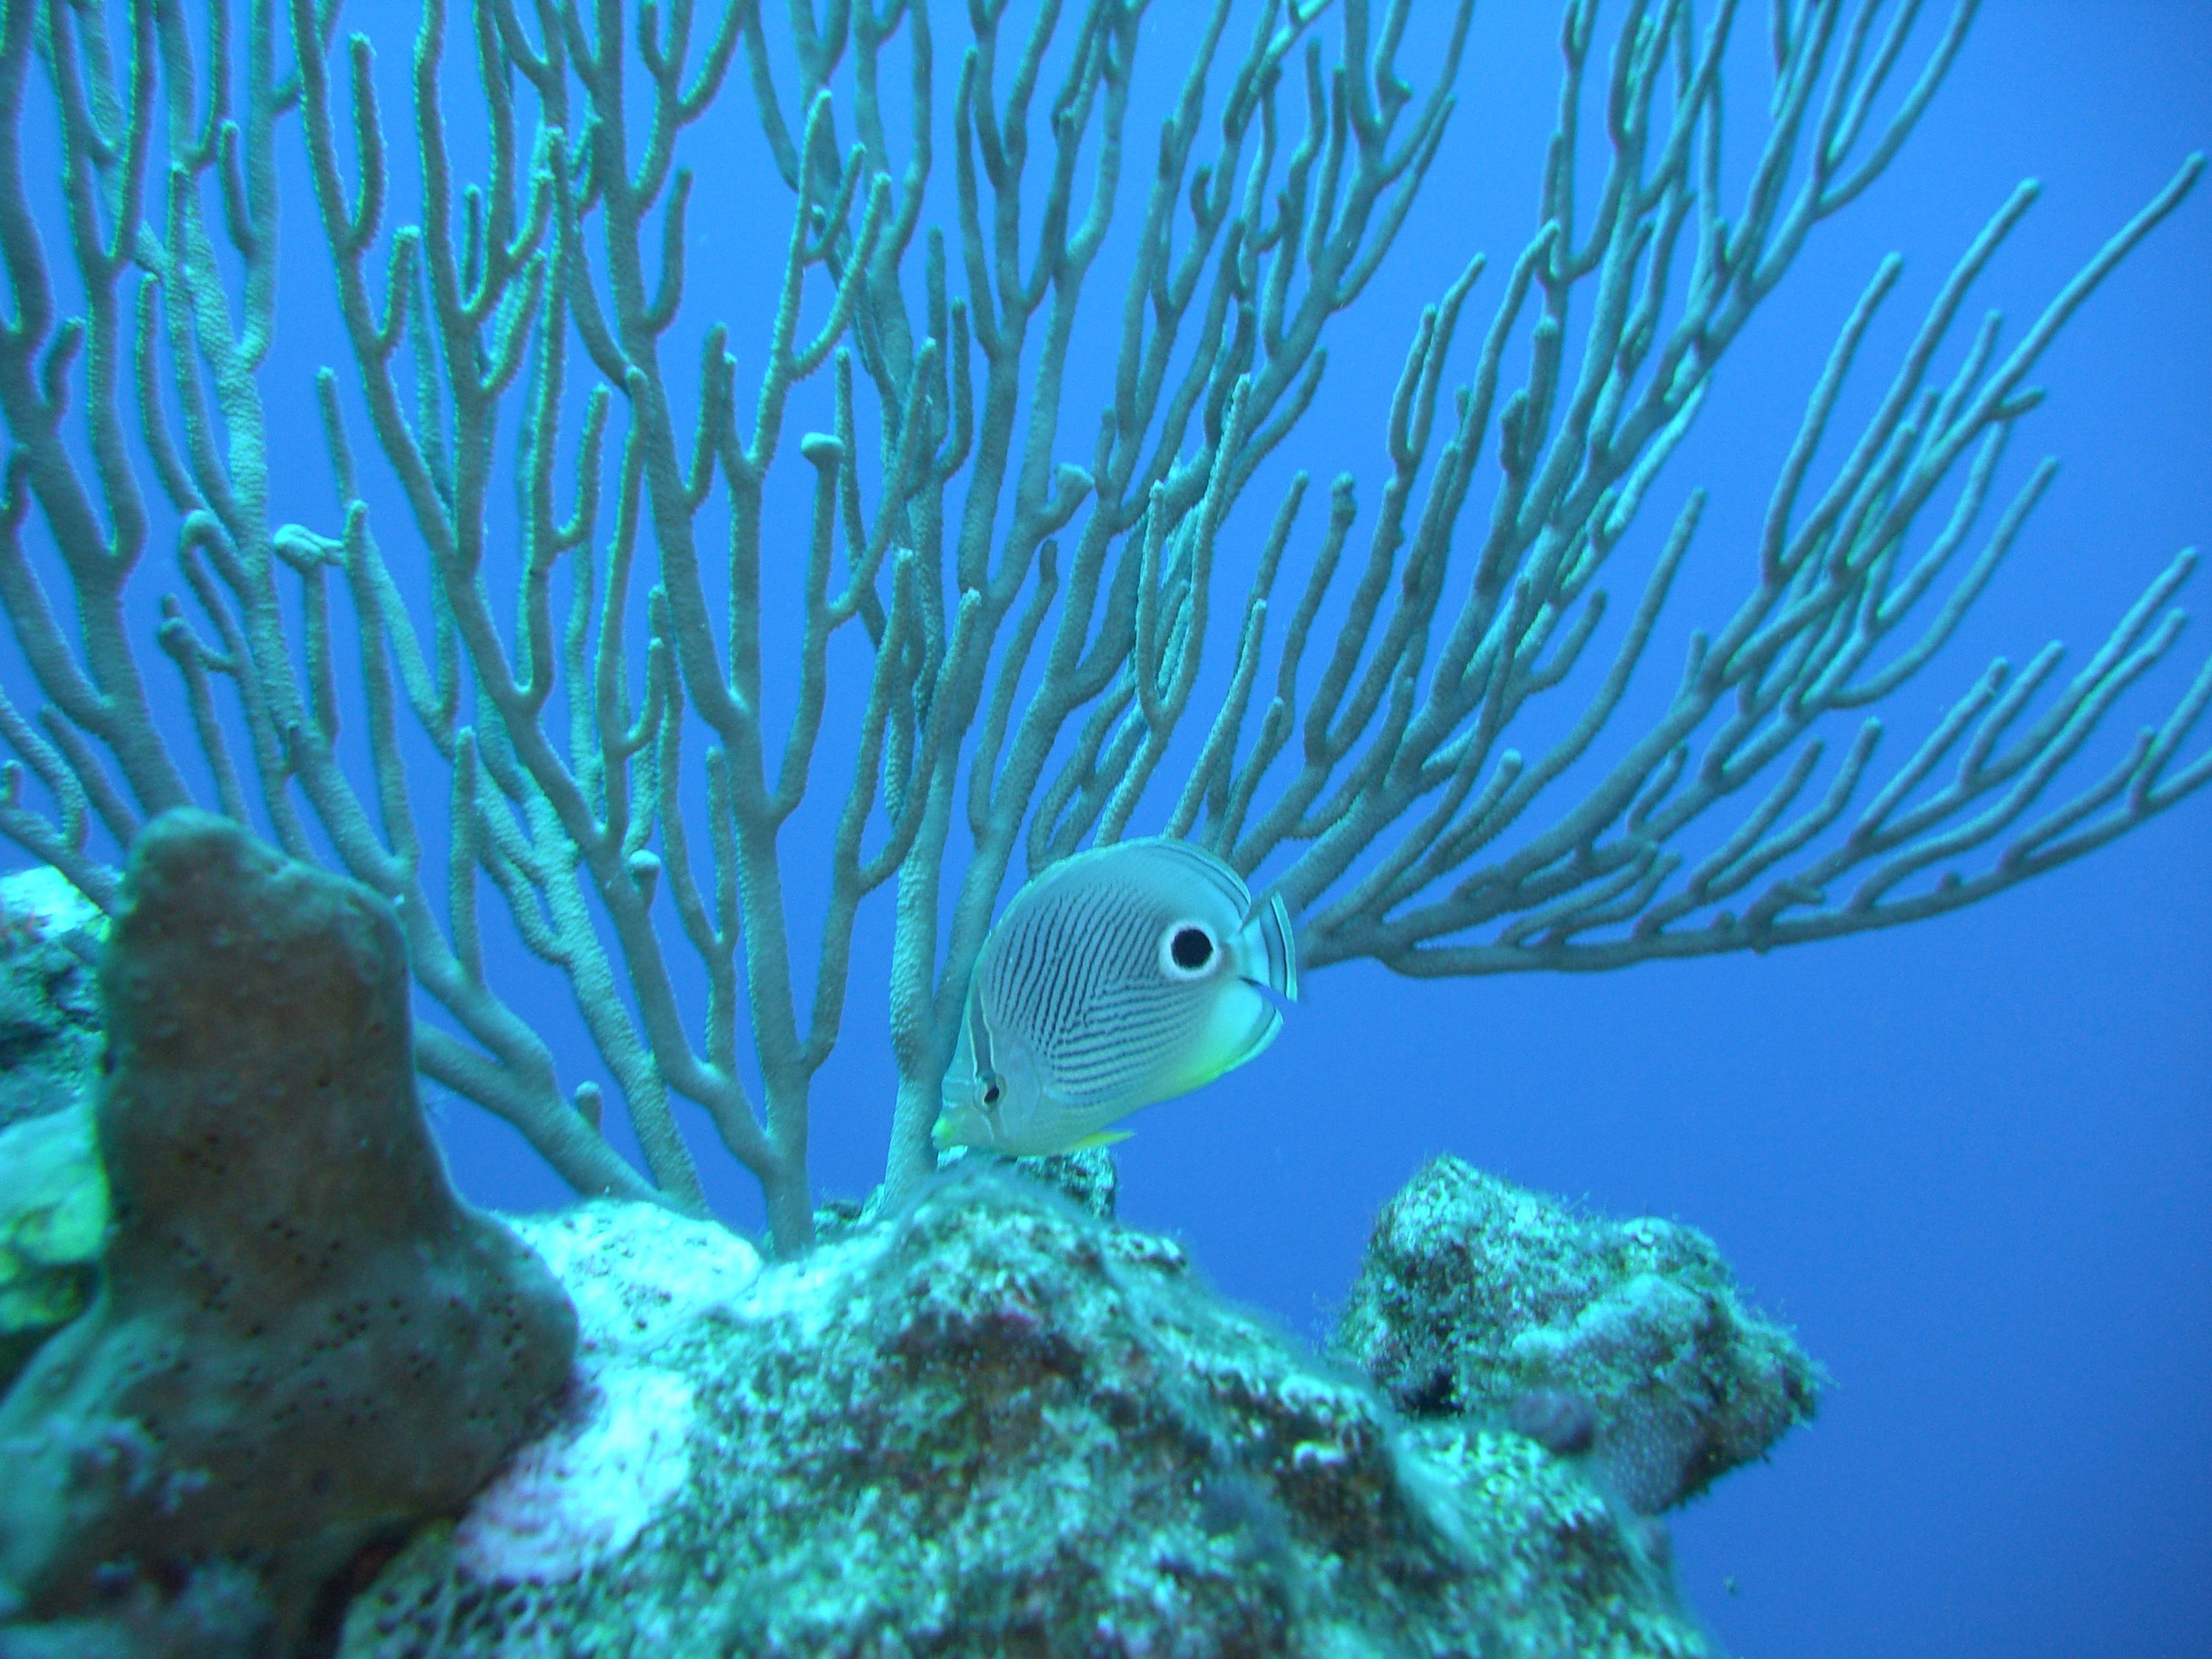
[{"x": 244, "y": 1416}]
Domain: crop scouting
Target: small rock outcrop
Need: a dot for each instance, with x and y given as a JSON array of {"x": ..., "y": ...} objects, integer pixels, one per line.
[
  {"x": 1481, "y": 1302},
  {"x": 302, "y": 1342}
]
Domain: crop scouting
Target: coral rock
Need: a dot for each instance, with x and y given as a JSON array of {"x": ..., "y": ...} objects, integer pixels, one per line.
[
  {"x": 995, "y": 1424},
  {"x": 1480, "y": 1301}
]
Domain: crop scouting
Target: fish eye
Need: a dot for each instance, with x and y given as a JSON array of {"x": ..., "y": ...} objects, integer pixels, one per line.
[
  {"x": 991, "y": 1094},
  {"x": 1188, "y": 951},
  {"x": 1192, "y": 948}
]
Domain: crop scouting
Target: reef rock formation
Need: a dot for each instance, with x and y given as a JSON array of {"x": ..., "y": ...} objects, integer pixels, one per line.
[
  {"x": 319, "y": 1406},
  {"x": 302, "y": 1340},
  {"x": 993, "y": 1425},
  {"x": 1481, "y": 1302}
]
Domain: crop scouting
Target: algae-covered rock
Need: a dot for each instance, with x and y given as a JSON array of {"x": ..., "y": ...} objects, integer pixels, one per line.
[
  {"x": 53, "y": 1216},
  {"x": 993, "y": 1425},
  {"x": 1088, "y": 1177},
  {"x": 49, "y": 937},
  {"x": 302, "y": 1339},
  {"x": 1480, "y": 1300},
  {"x": 53, "y": 1197}
]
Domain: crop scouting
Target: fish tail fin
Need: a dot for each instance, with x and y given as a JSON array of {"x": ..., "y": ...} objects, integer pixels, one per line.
[{"x": 1268, "y": 929}]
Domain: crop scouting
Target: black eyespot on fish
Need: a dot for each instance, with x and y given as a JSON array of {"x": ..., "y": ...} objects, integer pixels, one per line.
[{"x": 1192, "y": 948}]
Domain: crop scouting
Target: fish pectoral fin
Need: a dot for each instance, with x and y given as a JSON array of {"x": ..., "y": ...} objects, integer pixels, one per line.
[
  {"x": 1103, "y": 1137},
  {"x": 1269, "y": 938}
]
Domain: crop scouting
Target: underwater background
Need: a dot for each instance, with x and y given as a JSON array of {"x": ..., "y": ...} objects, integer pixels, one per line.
[{"x": 1969, "y": 1161}]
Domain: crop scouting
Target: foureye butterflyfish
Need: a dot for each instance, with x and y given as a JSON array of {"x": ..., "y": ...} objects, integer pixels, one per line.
[{"x": 1118, "y": 978}]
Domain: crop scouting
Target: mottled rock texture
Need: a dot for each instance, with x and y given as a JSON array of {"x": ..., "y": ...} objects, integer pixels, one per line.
[
  {"x": 49, "y": 1005},
  {"x": 302, "y": 1339},
  {"x": 997, "y": 1426},
  {"x": 1483, "y": 1303},
  {"x": 54, "y": 1199},
  {"x": 53, "y": 1219}
]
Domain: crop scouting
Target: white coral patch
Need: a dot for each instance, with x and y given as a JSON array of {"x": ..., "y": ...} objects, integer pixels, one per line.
[
  {"x": 44, "y": 902},
  {"x": 812, "y": 1291},
  {"x": 637, "y": 1274},
  {"x": 580, "y": 1496}
]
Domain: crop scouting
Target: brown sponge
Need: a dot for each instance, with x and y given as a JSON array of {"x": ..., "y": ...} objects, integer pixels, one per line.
[{"x": 303, "y": 1340}]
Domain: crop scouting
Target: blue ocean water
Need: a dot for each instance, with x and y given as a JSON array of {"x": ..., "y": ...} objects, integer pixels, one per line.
[{"x": 1970, "y": 1160}]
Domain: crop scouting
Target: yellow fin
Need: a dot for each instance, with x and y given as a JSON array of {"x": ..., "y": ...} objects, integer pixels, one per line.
[{"x": 1103, "y": 1137}]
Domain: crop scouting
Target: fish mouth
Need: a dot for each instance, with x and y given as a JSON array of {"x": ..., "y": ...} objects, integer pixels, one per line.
[{"x": 960, "y": 1124}]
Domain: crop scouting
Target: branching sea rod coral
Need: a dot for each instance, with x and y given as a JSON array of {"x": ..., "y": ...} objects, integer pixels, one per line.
[{"x": 1029, "y": 582}]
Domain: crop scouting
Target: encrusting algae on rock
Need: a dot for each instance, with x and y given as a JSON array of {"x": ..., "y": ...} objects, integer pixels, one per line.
[
  {"x": 53, "y": 1195},
  {"x": 1481, "y": 1301},
  {"x": 999, "y": 1426}
]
